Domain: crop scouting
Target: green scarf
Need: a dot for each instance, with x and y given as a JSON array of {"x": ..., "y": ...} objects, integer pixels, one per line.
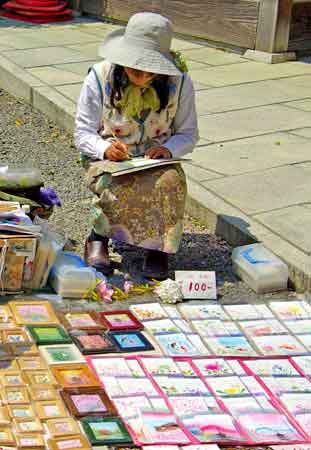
[{"x": 136, "y": 99}]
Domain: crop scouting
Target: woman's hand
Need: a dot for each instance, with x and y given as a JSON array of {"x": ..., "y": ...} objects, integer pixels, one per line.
[
  {"x": 158, "y": 152},
  {"x": 117, "y": 152}
]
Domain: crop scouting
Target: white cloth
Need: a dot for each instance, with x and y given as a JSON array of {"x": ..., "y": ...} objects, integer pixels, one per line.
[{"x": 89, "y": 115}]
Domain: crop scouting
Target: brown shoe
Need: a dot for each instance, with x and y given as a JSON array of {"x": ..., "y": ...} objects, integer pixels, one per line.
[
  {"x": 155, "y": 265},
  {"x": 96, "y": 255}
]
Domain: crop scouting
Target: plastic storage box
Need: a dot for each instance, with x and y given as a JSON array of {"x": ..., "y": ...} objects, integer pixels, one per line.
[
  {"x": 70, "y": 276},
  {"x": 259, "y": 268}
]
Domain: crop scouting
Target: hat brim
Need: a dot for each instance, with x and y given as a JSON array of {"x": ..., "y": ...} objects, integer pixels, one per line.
[{"x": 117, "y": 50}]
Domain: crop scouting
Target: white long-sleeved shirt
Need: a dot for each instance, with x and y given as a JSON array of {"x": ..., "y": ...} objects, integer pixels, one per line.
[{"x": 89, "y": 116}]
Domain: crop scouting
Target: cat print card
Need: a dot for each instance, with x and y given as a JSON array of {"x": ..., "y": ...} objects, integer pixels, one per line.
[
  {"x": 272, "y": 367},
  {"x": 268, "y": 427},
  {"x": 248, "y": 312},
  {"x": 262, "y": 327},
  {"x": 197, "y": 312},
  {"x": 230, "y": 346},
  {"x": 161, "y": 428},
  {"x": 284, "y": 344}
]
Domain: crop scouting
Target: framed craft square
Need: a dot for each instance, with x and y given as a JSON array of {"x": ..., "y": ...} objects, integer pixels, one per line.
[
  {"x": 130, "y": 341},
  {"x": 31, "y": 363},
  {"x": 6, "y": 436},
  {"x": 28, "y": 425},
  {"x": 88, "y": 402},
  {"x": 33, "y": 312},
  {"x": 90, "y": 343},
  {"x": 39, "y": 393},
  {"x": 15, "y": 395},
  {"x": 109, "y": 431},
  {"x": 9, "y": 365},
  {"x": 75, "y": 376},
  {"x": 24, "y": 349},
  {"x": 4, "y": 416},
  {"x": 61, "y": 354},
  {"x": 21, "y": 411},
  {"x": 42, "y": 378},
  {"x": 15, "y": 336},
  {"x": 11, "y": 378},
  {"x": 6, "y": 352},
  {"x": 81, "y": 320},
  {"x": 50, "y": 409},
  {"x": 47, "y": 335},
  {"x": 75, "y": 442},
  {"x": 33, "y": 441},
  {"x": 121, "y": 319},
  {"x": 65, "y": 426}
]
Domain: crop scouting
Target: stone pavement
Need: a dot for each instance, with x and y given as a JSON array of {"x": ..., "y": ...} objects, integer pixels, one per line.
[{"x": 249, "y": 179}]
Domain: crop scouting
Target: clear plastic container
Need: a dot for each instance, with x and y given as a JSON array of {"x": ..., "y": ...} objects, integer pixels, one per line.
[
  {"x": 259, "y": 268},
  {"x": 70, "y": 276},
  {"x": 19, "y": 177}
]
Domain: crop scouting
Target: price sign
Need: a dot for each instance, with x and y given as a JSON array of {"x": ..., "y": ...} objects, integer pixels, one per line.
[{"x": 196, "y": 284}]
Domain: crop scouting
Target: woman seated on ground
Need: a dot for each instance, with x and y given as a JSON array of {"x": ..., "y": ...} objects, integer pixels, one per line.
[{"x": 138, "y": 102}]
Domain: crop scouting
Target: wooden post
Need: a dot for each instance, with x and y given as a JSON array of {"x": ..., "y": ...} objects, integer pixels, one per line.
[{"x": 274, "y": 26}]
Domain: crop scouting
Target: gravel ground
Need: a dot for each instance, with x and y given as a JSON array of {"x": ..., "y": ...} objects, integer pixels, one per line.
[{"x": 28, "y": 137}]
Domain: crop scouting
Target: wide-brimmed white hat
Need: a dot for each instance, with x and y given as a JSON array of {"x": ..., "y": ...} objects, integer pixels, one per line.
[{"x": 144, "y": 45}]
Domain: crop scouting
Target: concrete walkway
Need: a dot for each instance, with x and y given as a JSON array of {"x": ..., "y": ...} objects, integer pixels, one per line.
[{"x": 251, "y": 171}]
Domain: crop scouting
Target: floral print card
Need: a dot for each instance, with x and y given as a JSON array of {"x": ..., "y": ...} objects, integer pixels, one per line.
[
  {"x": 149, "y": 311},
  {"x": 268, "y": 427},
  {"x": 304, "y": 363},
  {"x": 299, "y": 326},
  {"x": 190, "y": 406},
  {"x": 213, "y": 428},
  {"x": 241, "y": 405},
  {"x": 253, "y": 386},
  {"x": 176, "y": 344},
  {"x": 159, "y": 404},
  {"x": 197, "y": 312},
  {"x": 291, "y": 310},
  {"x": 228, "y": 386},
  {"x": 231, "y": 346},
  {"x": 297, "y": 403},
  {"x": 107, "y": 367},
  {"x": 304, "y": 420},
  {"x": 137, "y": 386},
  {"x": 278, "y": 345},
  {"x": 172, "y": 386},
  {"x": 215, "y": 327},
  {"x": 172, "y": 311},
  {"x": 287, "y": 384},
  {"x": 198, "y": 343},
  {"x": 130, "y": 406},
  {"x": 262, "y": 327},
  {"x": 161, "y": 326},
  {"x": 213, "y": 367},
  {"x": 305, "y": 339},
  {"x": 183, "y": 326},
  {"x": 186, "y": 369},
  {"x": 248, "y": 312},
  {"x": 272, "y": 367},
  {"x": 160, "y": 366}
]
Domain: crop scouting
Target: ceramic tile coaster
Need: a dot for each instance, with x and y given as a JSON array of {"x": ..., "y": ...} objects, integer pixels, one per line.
[
  {"x": 33, "y": 312},
  {"x": 89, "y": 402},
  {"x": 130, "y": 341},
  {"x": 105, "y": 431},
  {"x": 48, "y": 335},
  {"x": 90, "y": 343},
  {"x": 61, "y": 354},
  {"x": 120, "y": 320}
]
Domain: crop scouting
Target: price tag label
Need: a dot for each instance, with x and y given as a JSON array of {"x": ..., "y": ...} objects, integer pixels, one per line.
[{"x": 197, "y": 284}]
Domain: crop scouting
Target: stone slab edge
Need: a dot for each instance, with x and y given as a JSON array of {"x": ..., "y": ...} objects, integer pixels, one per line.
[
  {"x": 19, "y": 83},
  {"x": 239, "y": 229}
]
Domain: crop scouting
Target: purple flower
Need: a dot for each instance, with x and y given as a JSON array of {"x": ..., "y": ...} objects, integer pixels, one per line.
[{"x": 48, "y": 197}]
